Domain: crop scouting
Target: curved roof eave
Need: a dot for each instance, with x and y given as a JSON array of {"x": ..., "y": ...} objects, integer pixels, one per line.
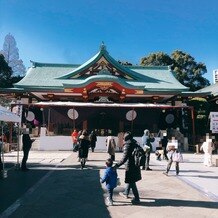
[
  {"x": 195, "y": 94},
  {"x": 106, "y": 78}
]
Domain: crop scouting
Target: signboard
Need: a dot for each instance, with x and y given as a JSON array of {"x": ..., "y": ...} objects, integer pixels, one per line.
[{"x": 214, "y": 122}]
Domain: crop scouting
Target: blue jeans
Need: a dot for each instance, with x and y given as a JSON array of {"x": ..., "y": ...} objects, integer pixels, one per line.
[
  {"x": 135, "y": 192},
  {"x": 110, "y": 194}
]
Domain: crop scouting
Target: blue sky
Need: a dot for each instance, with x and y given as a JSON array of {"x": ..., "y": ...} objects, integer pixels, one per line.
[{"x": 71, "y": 31}]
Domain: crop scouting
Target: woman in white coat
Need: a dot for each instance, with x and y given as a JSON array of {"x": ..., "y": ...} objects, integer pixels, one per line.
[{"x": 207, "y": 148}]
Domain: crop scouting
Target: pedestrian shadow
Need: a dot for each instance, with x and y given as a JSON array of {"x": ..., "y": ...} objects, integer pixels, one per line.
[
  {"x": 209, "y": 177},
  {"x": 200, "y": 176},
  {"x": 195, "y": 171},
  {"x": 177, "y": 203},
  {"x": 187, "y": 161},
  {"x": 149, "y": 202}
]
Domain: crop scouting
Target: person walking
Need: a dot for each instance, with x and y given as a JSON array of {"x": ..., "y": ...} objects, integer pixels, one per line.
[
  {"x": 164, "y": 142},
  {"x": 74, "y": 136},
  {"x": 27, "y": 144},
  {"x": 207, "y": 147},
  {"x": 93, "y": 140},
  {"x": 147, "y": 138},
  {"x": 110, "y": 177},
  {"x": 120, "y": 141},
  {"x": 174, "y": 156},
  {"x": 111, "y": 146},
  {"x": 84, "y": 144},
  {"x": 132, "y": 172}
]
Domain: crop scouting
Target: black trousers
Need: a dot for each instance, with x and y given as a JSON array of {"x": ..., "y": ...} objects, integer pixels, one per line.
[
  {"x": 112, "y": 157},
  {"x": 25, "y": 157},
  {"x": 170, "y": 161},
  {"x": 165, "y": 154},
  {"x": 1, "y": 164},
  {"x": 146, "y": 160}
]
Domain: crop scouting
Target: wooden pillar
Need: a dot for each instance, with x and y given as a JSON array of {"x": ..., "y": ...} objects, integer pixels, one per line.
[
  {"x": 121, "y": 126},
  {"x": 85, "y": 124},
  {"x": 193, "y": 125}
]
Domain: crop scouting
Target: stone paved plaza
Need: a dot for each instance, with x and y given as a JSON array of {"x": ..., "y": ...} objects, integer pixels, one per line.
[{"x": 57, "y": 187}]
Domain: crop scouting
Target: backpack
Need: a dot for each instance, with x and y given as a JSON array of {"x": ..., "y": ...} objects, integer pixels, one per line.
[{"x": 139, "y": 155}]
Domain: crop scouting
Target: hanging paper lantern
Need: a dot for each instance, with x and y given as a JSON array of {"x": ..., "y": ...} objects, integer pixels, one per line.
[{"x": 72, "y": 114}]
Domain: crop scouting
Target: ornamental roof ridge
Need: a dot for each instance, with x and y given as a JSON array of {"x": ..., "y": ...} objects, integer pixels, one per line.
[
  {"x": 103, "y": 47},
  {"x": 41, "y": 64},
  {"x": 148, "y": 67}
]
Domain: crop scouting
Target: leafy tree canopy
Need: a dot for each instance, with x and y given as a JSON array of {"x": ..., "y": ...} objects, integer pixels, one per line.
[
  {"x": 157, "y": 59},
  {"x": 5, "y": 73},
  {"x": 188, "y": 71}
]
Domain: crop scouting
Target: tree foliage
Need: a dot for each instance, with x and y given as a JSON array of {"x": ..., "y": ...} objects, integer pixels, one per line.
[
  {"x": 5, "y": 73},
  {"x": 11, "y": 54},
  {"x": 188, "y": 71},
  {"x": 125, "y": 63},
  {"x": 157, "y": 59},
  {"x": 202, "y": 110}
]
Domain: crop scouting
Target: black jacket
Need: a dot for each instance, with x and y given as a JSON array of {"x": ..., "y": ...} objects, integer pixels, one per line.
[
  {"x": 84, "y": 144},
  {"x": 133, "y": 172}
]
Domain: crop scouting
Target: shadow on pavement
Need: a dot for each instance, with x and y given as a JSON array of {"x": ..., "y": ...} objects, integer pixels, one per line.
[
  {"x": 178, "y": 203},
  {"x": 66, "y": 192},
  {"x": 16, "y": 184}
]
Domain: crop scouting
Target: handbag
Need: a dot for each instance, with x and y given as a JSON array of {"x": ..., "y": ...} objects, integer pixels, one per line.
[
  {"x": 146, "y": 148},
  {"x": 177, "y": 157}
]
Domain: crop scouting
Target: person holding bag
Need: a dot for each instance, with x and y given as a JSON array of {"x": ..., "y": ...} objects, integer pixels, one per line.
[
  {"x": 176, "y": 157},
  {"x": 132, "y": 172},
  {"x": 147, "y": 139}
]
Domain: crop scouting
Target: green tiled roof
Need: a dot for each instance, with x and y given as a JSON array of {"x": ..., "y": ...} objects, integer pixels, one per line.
[
  {"x": 43, "y": 76},
  {"x": 212, "y": 89}
]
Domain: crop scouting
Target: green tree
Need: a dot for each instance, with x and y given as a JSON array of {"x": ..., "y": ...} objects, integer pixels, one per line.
[
  {"x": 202, "y": 110},
  {"x": 157, "y": 59},
  {"x": 188, "y": 71},
  {"x": 125, "y": 63},
  {"x": 5, "y": 73}
]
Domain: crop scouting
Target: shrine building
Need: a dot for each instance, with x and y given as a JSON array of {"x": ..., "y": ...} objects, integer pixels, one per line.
[{"x": 103, "y": 95}]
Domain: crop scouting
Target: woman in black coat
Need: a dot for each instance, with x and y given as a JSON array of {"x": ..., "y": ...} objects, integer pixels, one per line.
[
  {"x": 93, "y": 140},
  {"x": 84, "y": 144},
  {"x": 132, "y": 172}
]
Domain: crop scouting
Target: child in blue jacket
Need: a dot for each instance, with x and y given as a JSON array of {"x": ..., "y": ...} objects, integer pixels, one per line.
[{"x": 110, "y": 177}]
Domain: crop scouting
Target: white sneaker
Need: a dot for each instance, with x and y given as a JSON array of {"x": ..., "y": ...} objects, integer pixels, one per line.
[
  {"x": 109, "y": 202},
  {"x": 123, "y": 195}
]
